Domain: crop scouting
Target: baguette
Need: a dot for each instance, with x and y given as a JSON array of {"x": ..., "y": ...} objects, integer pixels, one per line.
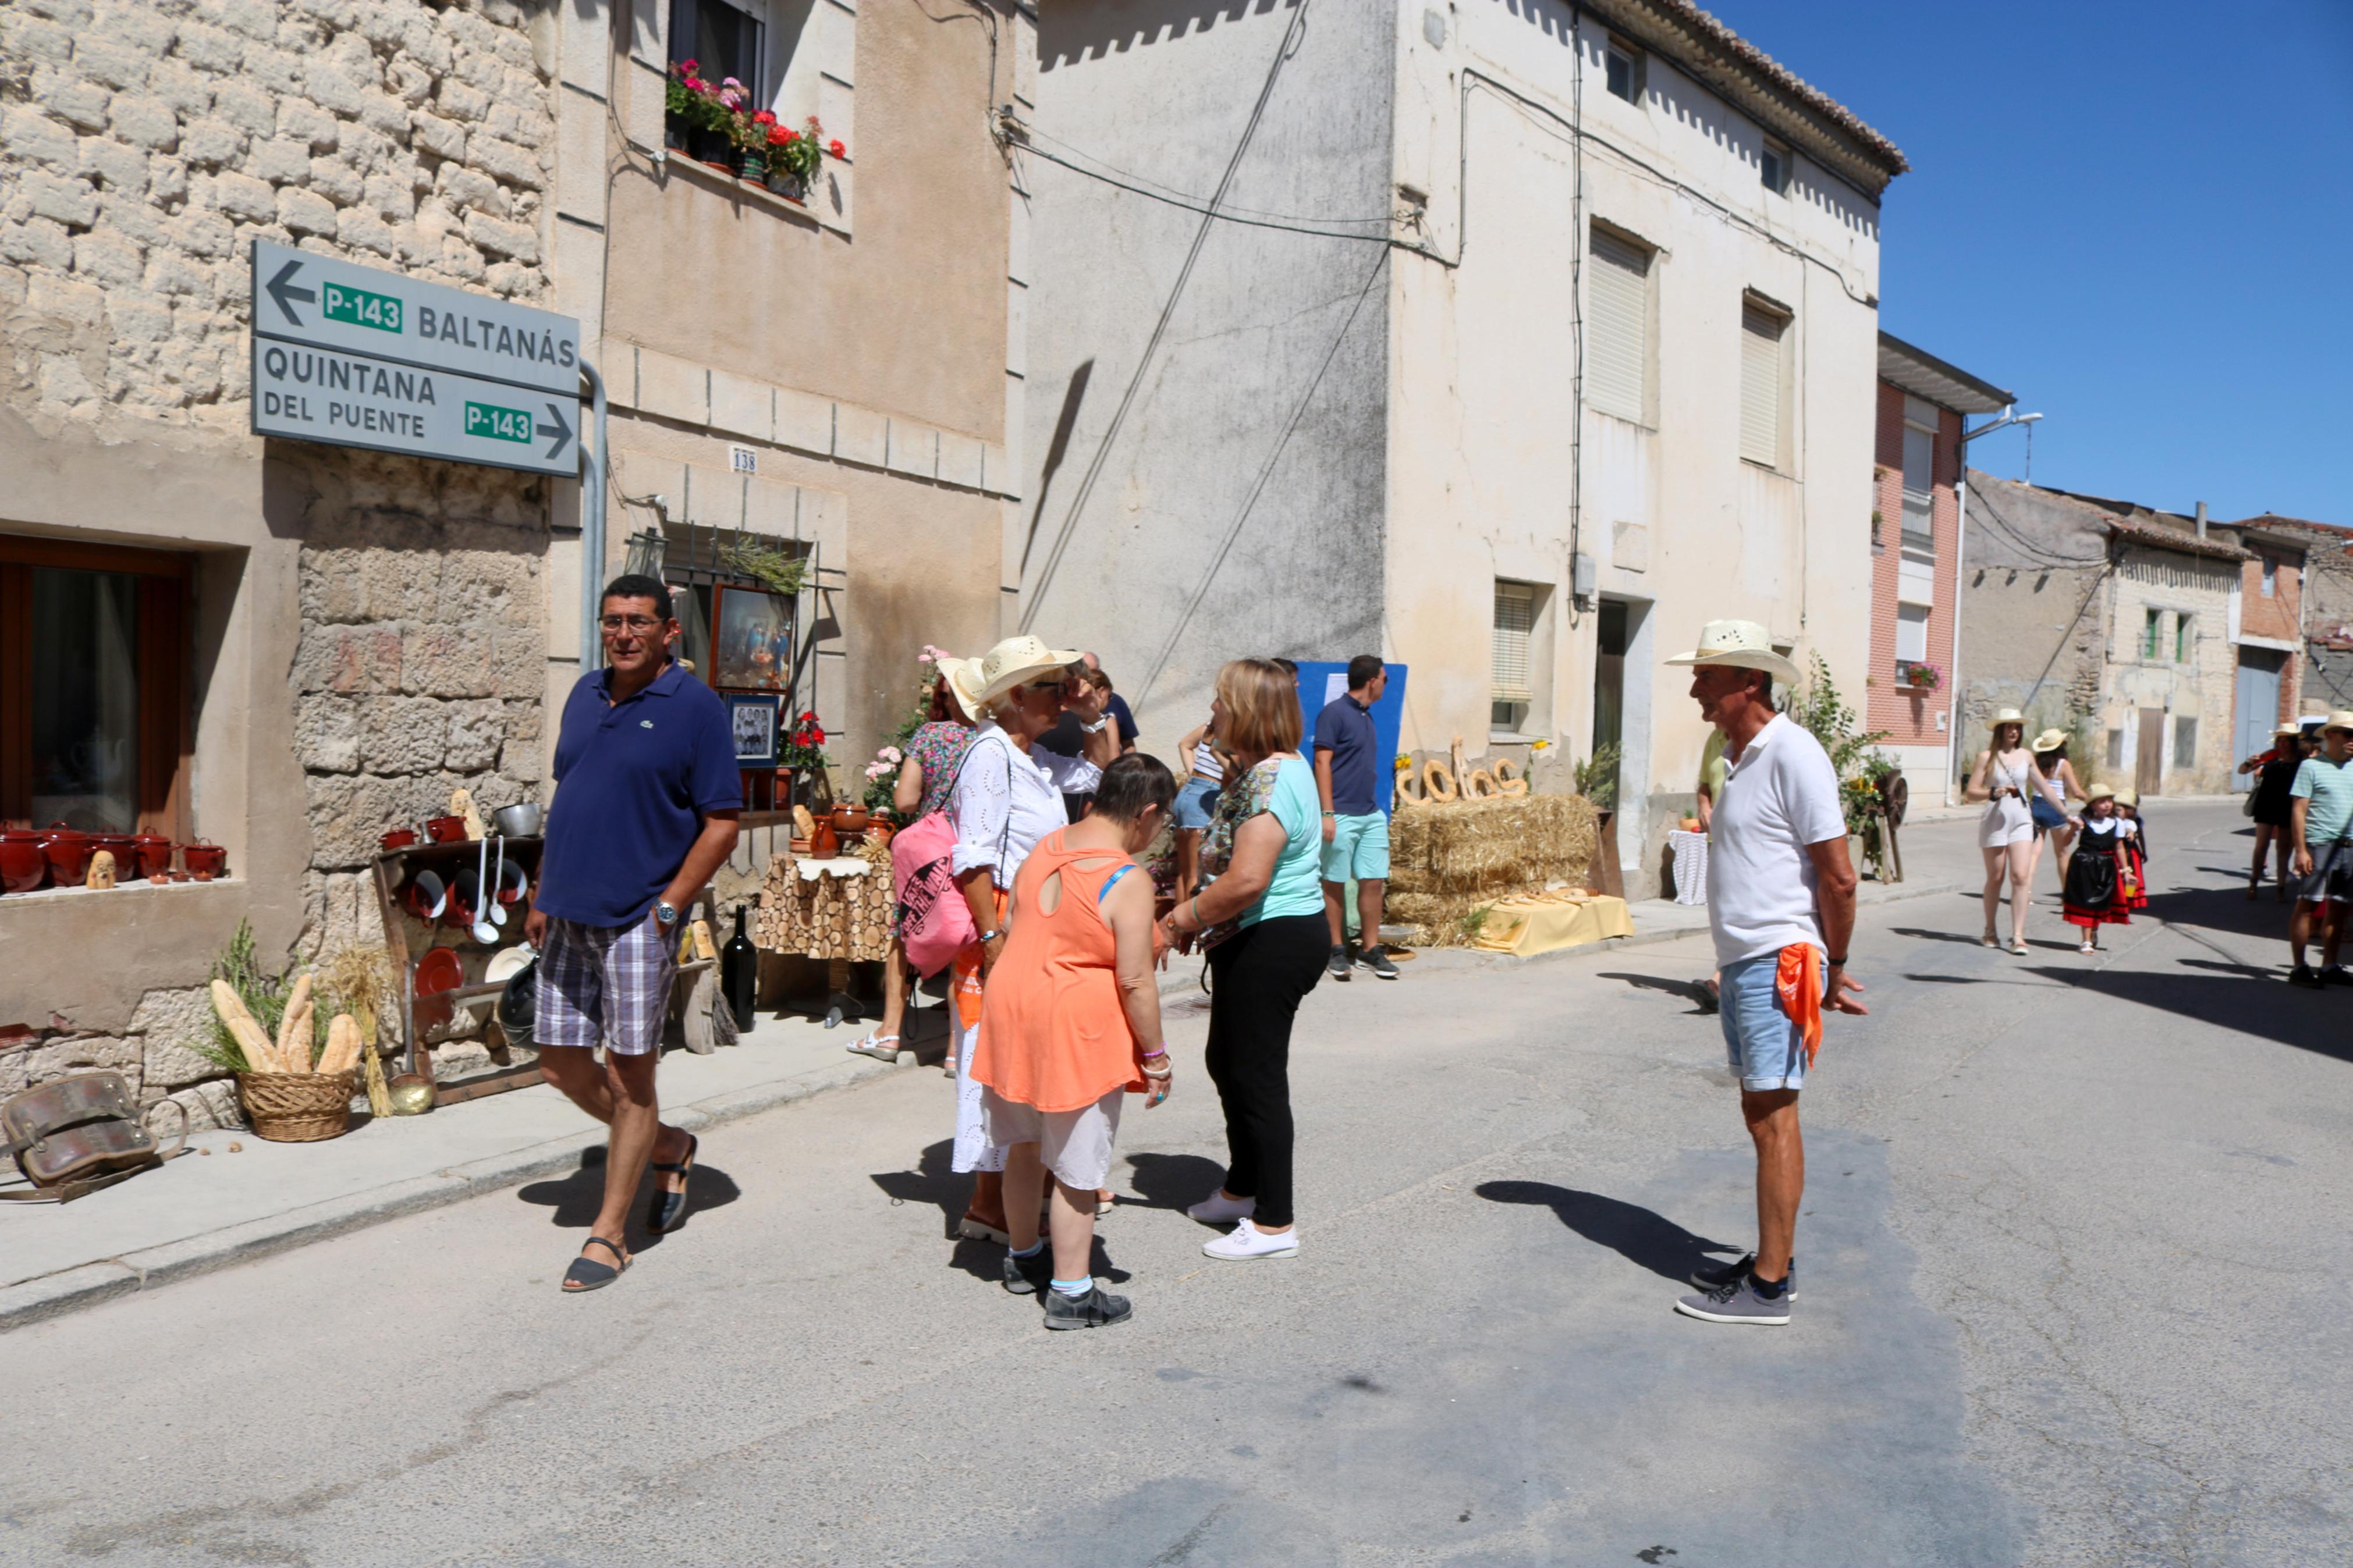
[
  {"x": 259, "y": 1056},
  {"x": 293, "y": 1044},
  {"x": 343, "y": 1044}
]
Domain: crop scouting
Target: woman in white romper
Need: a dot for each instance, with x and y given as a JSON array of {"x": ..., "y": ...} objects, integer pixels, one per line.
[{"x": 2006, "y": 778}]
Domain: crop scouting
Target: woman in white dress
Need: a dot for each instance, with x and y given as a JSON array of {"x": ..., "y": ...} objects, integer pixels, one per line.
[
  {"x": 1008, "y": 797},
  {"x": 2007, "y": 779}
]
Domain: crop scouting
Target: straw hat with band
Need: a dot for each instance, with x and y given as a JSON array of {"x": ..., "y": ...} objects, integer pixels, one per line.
[
  {"x": 2288, "y": 733},
  {"x": 1743, "y": 644},
  {"x": 2007, "y": 716},
  {"x": 2127, "y": 796},
  {"x": 1015, "y": 661},
  {"x": 963, "y": 677},
  {"x": 2098, "y": 792},
  {"x": 2050, "y": 739},
  {"x": 2340, "y": 720}
]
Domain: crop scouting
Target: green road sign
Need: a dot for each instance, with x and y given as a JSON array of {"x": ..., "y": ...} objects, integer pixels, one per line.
[{"x": 306, "y": 394}]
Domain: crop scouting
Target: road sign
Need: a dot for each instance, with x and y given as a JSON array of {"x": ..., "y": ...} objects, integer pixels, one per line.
[
  {"x": 329, "y": 304},
  {"x": 350, "y": 400}
]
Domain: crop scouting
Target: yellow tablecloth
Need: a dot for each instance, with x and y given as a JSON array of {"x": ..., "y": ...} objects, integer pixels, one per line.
[{"x": 1542, "y": 922}]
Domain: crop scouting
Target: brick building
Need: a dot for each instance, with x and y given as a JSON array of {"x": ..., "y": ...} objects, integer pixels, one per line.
[{"x": 1916, "y": 548}]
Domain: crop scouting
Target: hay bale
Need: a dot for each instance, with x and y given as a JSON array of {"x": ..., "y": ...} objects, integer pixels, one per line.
[{"x": 1494, "y": 847}]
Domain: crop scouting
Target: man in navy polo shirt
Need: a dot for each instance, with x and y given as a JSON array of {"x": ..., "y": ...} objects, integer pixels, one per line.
[
  {"x": 1355, "y": 828},
  {"x": 644, "y": 812}
]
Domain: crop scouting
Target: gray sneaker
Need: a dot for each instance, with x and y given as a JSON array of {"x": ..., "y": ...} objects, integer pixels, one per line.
[
  {"x": 1098, "y": 1309},
  {"x": 1717, "y": 1276},
  {"x": 1377, "y": 961},
  {"x": 1336, "y": 965},
  {"x": 1735, "y": 1302},
  {"x": 1029, "y": 1275}
]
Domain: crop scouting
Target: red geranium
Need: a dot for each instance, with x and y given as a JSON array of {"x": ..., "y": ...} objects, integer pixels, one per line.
[
  {"x": 763, "y": 118},
  {"x": 835, "y": 149},
  {"x": 778, "y": 136},
  {"x": 689, "y": 68}
]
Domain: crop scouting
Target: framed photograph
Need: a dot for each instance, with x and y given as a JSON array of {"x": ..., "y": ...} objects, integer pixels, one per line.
[
  {"x": 751, "y": 640},
  {"x": 754, "y": 719}
]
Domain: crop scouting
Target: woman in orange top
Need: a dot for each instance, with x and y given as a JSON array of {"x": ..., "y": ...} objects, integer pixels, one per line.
[{"x": 1071, "y": 1023}]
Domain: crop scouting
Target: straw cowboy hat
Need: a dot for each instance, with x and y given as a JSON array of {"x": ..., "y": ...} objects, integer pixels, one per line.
[
  {"x": 2098, "y": 792},
  {"x": 2007, "y": 716},
  {"x": 1743, "y": 644},
  {"x": 2050, "y": 739},
  {"x": 2340, "y": 720},
  {"x": 2127, "y": 796},
  {"x": 963, "y": 676},
  {"x": 1016, "y": 660},
  {"x": 2287, "y": 733}
]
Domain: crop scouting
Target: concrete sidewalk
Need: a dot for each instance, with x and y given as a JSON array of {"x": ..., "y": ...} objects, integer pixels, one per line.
[{"x": 212, "y": 1207}]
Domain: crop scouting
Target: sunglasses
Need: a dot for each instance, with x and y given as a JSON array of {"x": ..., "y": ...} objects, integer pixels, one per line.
[{"x": 1051, "y": 688}]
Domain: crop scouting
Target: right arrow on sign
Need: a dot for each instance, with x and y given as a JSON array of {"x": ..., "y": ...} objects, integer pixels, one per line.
[
  {"x": 282, "y": 289},
  {"x": 561, "y": 431}
]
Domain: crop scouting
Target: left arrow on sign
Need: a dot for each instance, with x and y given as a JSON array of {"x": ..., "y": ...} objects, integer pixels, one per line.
[
  {"x": 561, "y": 431},
  {"x": 282, "y": 289}
]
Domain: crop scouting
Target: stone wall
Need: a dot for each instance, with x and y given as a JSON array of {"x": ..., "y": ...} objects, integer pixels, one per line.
[{"x": 144, "y": 144}]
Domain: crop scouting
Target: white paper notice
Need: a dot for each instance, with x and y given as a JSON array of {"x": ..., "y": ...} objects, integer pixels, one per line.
[{"x": 1335, "y": 686}]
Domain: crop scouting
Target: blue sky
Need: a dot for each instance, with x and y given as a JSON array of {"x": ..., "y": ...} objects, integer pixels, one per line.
[{"x": 2138, "y": 218}]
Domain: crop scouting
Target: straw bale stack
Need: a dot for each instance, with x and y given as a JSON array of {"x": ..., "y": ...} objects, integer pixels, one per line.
[{"x": 1448, "y": 858}]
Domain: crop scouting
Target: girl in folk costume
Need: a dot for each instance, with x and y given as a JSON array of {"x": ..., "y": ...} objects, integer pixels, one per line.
[
  {"x": 2136, "y": 834},
  {"x": 2096, "y": 872}
]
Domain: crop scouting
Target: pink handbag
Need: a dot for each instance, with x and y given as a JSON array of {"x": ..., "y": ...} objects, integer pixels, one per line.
[{"x": 934, "y": 923}]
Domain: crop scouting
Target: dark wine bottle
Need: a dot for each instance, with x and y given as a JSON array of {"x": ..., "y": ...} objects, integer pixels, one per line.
[{"x": 739, "y": 974}]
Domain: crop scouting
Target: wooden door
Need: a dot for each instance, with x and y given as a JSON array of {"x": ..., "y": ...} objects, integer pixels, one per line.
[{"x": 2148, "y": 769}]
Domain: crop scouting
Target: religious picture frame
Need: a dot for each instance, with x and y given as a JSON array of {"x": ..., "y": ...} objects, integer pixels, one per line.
[
  {"x": 756, "y": 724},
  {"x": 751, "y": 640}
]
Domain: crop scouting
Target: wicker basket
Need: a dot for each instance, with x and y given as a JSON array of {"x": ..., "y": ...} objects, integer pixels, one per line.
[{"x": 296, "y": 1107}]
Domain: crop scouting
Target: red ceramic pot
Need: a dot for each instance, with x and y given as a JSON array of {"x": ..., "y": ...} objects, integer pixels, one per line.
[
  {"x": 68, "y": 853},
  {"x": 124, "y": 846},
  {"x": 398, "y": 838},
  {"x": 155, "y": 852},
  {"x": 23, "y": 866},
  {"x": 445, "y": 829},
  {"x": 204, "y": 861}
]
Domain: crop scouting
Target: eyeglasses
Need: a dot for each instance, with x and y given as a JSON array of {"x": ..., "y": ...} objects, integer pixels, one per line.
[
  {"x": 629, "y": 623},
  {"x": 1051, "y": 688}
]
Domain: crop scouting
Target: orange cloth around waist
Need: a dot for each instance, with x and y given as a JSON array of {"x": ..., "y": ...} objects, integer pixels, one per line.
[
  {"x": 1053, "y": 1031},
  {"x": 1797, "y": 981},
  {"x": 965, "y": 985}
]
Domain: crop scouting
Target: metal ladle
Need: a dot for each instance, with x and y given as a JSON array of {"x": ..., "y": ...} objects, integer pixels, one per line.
[
  {"x": 491, "y": 890},
  {"x": 484, "y": 931}
]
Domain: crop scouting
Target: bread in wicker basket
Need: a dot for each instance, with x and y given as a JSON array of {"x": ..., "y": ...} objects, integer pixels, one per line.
[{"x": 296, "y": 1107}]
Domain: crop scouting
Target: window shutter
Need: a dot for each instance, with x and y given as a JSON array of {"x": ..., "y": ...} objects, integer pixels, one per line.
[
  {"x": 1515, "y": 619},
  {"x": 1760, "y": 386},
  {"x": 1911, "y": 632},
  {"x": 1617, "y": 337}
]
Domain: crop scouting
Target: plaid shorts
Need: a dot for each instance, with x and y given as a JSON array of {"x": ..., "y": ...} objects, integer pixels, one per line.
[{"x": 605, "y": 986}]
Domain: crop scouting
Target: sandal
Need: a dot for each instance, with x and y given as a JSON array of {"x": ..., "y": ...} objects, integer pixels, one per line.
[
  {"x": 1990, "y": 940},
  {"x": 1105, "y": 1203},
  {"x": 2021, "y": 950},
  {"x": 974, "y": 1227},
  {"x": 669, "y": 1208},
  {"x": 874, "y": 1045},
  {"x": 588, "y": 1274}
]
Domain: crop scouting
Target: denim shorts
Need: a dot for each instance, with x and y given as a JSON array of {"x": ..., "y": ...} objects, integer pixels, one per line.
[
  {"x": 1193, "y": 803},
  {"x": 1763, "y": 1042},
  {"x": 1359, "y": 848},
  {"x": 2332, "y": 874}
]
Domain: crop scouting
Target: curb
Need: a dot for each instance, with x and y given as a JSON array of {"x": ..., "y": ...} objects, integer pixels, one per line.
[
  {"x": 88, "y": 1284},
  {"x": 1888, "y": 894}
]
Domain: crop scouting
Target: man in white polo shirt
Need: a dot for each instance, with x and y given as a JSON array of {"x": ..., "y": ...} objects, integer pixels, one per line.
[{"x": 1781, "y": 903}]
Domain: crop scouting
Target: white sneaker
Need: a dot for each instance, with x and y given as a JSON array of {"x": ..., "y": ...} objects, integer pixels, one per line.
[
  {"x": 1245, "y": 1243},
  {"x": 1220, "y": 1209}
]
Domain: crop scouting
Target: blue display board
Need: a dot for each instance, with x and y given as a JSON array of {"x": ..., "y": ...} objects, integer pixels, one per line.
[{"x": 1321, "y": 682}]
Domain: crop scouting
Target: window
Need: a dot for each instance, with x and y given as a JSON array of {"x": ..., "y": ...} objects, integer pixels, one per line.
[
  {"x": 723, "y": 39},
  {"x": 1618, "y": 338},
  {"x": 1761, "y": 330},
  {"x": 1515, "y": 620},
  {"x": 2184, "y": 640},
  {"x": 92, "y": 706},
  {"x": 2115, "y": 749},
  {"x": 1919, "y": 481},
  {"x": 1911, "y": 634},
  {"x": 1622, "y": 70},
  {"x": 2152, "y": 634},
  {"x": 2185, "y": 742},
  {"x": 2271, "y": 577},
  {"x": 1773, "y": 166}
]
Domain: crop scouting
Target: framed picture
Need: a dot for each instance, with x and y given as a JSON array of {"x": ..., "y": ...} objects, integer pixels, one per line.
[
  {"x": 751, "y": 640},
  {"x": 754, "y": 721}
]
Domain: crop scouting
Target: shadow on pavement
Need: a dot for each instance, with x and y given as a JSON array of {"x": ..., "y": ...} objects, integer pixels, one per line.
[
  {"x": 931, "y": 1182},
  {"x": 2266, "y": 1008},
  {"x": 573, "y": 1200},
  {"x": 1174, "y": 1181},
  {"x": 1636, "y": 1234},
  {"x": 1692, "y": 991}
]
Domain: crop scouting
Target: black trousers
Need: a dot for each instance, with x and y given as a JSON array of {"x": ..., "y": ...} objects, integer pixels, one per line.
[{"x": 1257, "y": 977}]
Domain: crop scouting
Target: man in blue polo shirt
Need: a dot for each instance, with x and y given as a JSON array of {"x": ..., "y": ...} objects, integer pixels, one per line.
[
  {"x": 645, "y": 812},
  {"x": 1355, "y": 828}
]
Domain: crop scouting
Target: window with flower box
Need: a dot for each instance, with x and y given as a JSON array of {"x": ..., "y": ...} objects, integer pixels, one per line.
[{"x": 744, "y": 89}]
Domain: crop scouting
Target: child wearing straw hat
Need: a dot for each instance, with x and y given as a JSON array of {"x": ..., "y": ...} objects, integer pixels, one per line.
[
  {"x": 2135, "y": 832},
  {"x": 2095, "y": 877}
]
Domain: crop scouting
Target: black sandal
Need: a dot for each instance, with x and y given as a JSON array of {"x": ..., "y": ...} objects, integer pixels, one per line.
[
  {"x": 669, "y": 1208},
  {"x": 588, "y": 1274}
]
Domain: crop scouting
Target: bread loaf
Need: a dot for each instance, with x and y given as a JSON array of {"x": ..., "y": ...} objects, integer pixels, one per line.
[{"x": 259, "y": 1055}]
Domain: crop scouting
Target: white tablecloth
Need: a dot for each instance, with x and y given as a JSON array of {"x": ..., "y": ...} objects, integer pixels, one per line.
[{"x": 1690, "y": 850}]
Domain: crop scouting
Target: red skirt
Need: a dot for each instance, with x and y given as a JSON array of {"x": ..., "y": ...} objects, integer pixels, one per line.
[
  {"x": 2140, "y": 874},
  {"x": 2112, "y": 916}
]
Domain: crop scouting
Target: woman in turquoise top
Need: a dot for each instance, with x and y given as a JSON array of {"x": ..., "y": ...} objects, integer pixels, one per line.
[{"x": 1260, "y": 913}]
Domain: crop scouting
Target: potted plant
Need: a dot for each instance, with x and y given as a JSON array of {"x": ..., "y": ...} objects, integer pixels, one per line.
[
  {"x": 796, "y": 156},
  {"x": 752, "y": 144},
  {"x": 1919, "y": 675},
  {"x": 803, "y": 751},
  {"x": 679, "y": 104}
]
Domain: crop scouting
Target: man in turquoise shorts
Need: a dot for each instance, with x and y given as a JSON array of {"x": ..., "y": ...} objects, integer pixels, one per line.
[
  {"x": 1355, "y": 828},
  {"x": 2321, "y": 803}
]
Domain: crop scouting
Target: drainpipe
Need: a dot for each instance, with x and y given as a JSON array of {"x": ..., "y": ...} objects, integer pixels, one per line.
[
  {"x": 1960, "y": 594},
  {"x": 592, "y": 526}
]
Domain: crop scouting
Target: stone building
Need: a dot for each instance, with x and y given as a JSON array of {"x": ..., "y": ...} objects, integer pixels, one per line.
[
  {"x": 2117, "y": 623},
  {"x": 1510, "y": 342},
  {"x": 286, "y": 648},
  {"x": 2320, "y": 676}
]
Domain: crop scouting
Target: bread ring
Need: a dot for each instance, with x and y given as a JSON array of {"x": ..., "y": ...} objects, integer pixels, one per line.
[
  {"x": 1480, "y": 784},
  {"x": 1505, "y": 769},
  {"x": 1436, "y": 781}
]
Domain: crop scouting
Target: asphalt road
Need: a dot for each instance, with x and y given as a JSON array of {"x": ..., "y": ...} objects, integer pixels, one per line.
[{"x": 2074, "y": 1287}]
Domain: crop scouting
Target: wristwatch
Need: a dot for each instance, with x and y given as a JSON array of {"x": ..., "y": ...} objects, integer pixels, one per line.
[
  {"x": 666, "y": 913},
  {"x": 1097, "y": 727},
  {"x": 988, "y": 936}
]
